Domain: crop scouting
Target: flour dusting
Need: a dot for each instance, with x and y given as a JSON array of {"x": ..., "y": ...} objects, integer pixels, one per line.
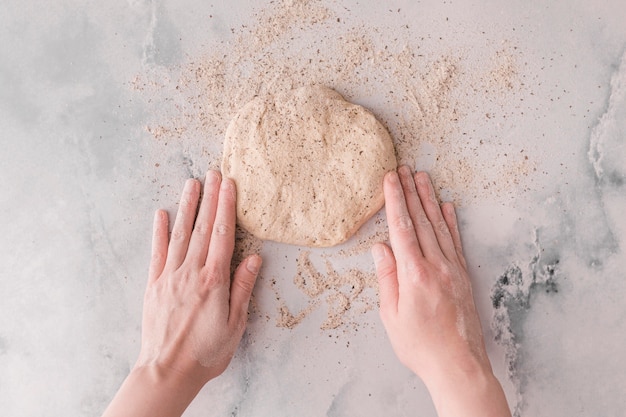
[{"x": 426, "y": 97}]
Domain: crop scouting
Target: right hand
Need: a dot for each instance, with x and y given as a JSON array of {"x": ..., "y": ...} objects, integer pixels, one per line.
[{"x": 426, "y": 301}]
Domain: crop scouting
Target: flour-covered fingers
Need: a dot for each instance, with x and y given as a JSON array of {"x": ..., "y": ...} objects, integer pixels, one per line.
[
  {"x": 181, "y": 232},
  {"x": 423, "y": 228},
  {"x": 222, "y": 241},
  {"x": 449, "y": 214},
  {"x": 159, "y": 244},
  {"x": 387, "y": 273},
  {"x": 443, "y": 243},
  {"x": 201, "y": 235},
  {"x": 241, "y": 289},
  {"x": 401, "y": 231}
]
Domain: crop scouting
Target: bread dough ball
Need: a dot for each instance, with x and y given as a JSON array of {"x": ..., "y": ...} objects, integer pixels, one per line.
[{"x": 308, "y": 166}]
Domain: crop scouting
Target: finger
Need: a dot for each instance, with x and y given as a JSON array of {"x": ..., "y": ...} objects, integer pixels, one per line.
[
  {"x": 179, "y": 241},
  {"x": 222, "y": 241},
  {"x": 443, "y": 241},
  {"x": 202, "y": 229},
  {"x": 241, "y": 289},
  {"x": 401, "y": 232},
  {"x": 423, "y": 228},
  {"x": 387, "y": 279},
  {"x": 449, "y": 214},
  {"x": 160, "y": 230}
]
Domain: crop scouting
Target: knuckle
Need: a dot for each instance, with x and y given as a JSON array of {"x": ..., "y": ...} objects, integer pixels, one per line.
[
  {"x": 403, "y": 222},
  {"x": 244, "y": 284},
  {"x": 178, "y": 280},
  {"x": 445, "y": 270},
  {"x": 213, "y": 277},
  {"x": 384, "y": 272},
  {"x": 158, "y": 257},
  {"x": 417, "y": 272},
  {"x": 422, "y": 219},
  {"x": 447, "y": 273},
  {"x": 184, "y": 275},
  {"x": 432, "y": 197},
  {"x": 179, "y": 234},
  {"x": 222, "y": 229},
  {"x": 201, "y": 229},
  {"x": 188, "y": 202},
  {"x": 442, "y": 228},
  {"x": 412, "y": 270}
]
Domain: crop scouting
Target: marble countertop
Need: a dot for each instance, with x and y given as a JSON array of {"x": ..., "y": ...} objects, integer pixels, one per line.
[{"x": 518, "y": 109}]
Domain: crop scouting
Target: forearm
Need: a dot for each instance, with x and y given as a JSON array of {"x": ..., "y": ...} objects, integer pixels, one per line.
[
  {"x": 476, "y": 394},
  {"x": 150, "y": 391}
]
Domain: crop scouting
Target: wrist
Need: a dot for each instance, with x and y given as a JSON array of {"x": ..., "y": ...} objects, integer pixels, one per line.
[
  {"x": 178, "y": 368},
  {"x": 469, "y": 391},
  {"x": 151, "y": 390},
  {"x": 161, "y": 376},
  {"x": 459, "y": 368}
]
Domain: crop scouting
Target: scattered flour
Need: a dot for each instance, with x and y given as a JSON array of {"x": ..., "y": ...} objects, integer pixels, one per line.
[
  {"x": 340, "y": 291},
  {"x": 425, "y": 97}
]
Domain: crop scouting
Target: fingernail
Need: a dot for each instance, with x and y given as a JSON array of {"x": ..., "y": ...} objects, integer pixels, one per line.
[
  {"x": 254, "y": 264},
  {"x": 421, "y": 178},
  {"x": 404, "y": 170},
  {"x": 407, "y": 178},
  {"x": 378, "y": 253},
  {"x": 192, "y": 188},
  {"x": 392, "y": 177},
  {"x": 229, "y": 185},
  {"x": 212, "y": 177}
]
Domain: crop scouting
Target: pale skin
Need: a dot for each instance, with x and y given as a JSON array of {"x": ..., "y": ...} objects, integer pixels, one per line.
[
  {"x": 426, "y": 301},
  {"x": 195, "y": 314}
]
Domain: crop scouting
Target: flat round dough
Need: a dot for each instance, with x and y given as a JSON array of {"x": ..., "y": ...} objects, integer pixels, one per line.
[{"x": 308, "y": 166}]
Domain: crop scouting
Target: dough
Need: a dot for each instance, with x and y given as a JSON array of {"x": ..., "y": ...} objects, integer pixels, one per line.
[{"x": 308, "y": 166}]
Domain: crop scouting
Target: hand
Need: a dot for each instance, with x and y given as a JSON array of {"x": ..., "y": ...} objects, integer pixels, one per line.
[
  {"x": 194, "y": 316},
  {"x": 426, "y": 301}
]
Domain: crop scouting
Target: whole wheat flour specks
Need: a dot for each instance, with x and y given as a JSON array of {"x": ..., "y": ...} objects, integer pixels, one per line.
[
  {"x": 445, "y": 103},
  {"x": 308, "y": 165}
]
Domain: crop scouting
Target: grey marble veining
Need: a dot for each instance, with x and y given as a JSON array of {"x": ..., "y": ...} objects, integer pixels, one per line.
[{"x": 79, "y": 185}]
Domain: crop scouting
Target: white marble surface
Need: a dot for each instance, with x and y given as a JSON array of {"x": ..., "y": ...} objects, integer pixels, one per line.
[{"x": 79, "y": 185}]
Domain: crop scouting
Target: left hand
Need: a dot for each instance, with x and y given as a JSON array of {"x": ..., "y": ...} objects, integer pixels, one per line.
[{"x": 194, "y": 316}]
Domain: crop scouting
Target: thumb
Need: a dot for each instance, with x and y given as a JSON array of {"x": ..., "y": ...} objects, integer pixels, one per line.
[
  {"x": 387, "y": 278},
  {"x": 241, "y": 288}
]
